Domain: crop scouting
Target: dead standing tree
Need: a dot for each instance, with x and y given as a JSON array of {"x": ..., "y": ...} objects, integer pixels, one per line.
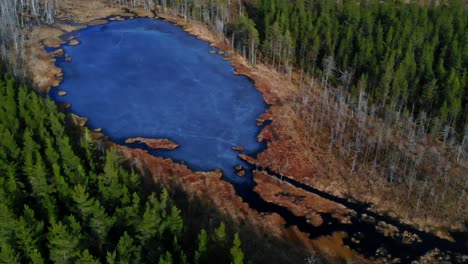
[
  {"x": 15, "y": 19},
  {"x": 329, "y": 66},
  {"x": 396, "y": 147}
]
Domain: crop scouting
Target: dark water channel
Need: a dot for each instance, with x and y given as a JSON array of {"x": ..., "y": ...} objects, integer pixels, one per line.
[
  {"x": 363, "y": 235},
  {"x": 148, "y": 78}
]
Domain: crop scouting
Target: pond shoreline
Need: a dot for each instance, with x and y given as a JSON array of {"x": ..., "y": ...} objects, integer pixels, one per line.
[
  {"x": 209, "y": 185},
  {"x": 227, "y": 200}
]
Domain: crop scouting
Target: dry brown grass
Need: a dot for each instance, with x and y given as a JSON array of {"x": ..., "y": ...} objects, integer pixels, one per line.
[
  {"x": 153, "y": 143},
  {"x": 42, "y": 69},
  {"x": 84, "y": 11},
  {"x": 209, "y": 187},
  {"x": 298, "y": 201}
]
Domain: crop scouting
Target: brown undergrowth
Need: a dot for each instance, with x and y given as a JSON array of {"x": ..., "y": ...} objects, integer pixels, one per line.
[{"x": 208, "y": 187}]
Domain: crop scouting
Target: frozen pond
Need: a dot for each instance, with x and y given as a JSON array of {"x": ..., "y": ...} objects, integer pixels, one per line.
[{"x": 149, "y": 78}]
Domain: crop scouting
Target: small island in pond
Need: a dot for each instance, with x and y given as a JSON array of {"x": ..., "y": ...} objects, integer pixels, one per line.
[{"x": 153, "y": 143}]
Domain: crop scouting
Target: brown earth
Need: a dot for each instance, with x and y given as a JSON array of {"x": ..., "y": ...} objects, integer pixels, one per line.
[
  {"x": 84, "y": 11},
  {"x": 49, "y": 36},
  {"x": 73, "y": 42},
  {"x": 40, "y": 64},
  {"x": 64, "y": 106},
  {"x": 98, "y": 22},
  {"x": 117, "y": 18},
  {"x": 298, "y": 201},
  {"x": 143, "y": 13},
  {"x": 68, "y": 28},
  {"x": 238, "y": 148},
  {"x": 240, "y": 173},
  {"x": 153, "y": 143},
  {"x": 57, "y": 53},
  {"x": 79, "y": 121}
]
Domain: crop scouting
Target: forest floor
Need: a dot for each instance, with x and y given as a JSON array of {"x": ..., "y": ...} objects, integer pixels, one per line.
[{"x": 290, "y": 151}]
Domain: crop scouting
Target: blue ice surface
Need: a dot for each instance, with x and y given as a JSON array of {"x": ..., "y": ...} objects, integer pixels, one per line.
[{"x": 149, "y": 78}]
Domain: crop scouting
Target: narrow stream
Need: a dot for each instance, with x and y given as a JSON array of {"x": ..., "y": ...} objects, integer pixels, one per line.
[{"x": 370, "y": 239}]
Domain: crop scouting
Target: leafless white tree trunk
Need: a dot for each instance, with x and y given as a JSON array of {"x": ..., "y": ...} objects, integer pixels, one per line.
[{"x": 329, "y": 66}]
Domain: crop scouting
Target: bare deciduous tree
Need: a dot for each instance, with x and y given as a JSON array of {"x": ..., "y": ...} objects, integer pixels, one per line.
[{"x": 329, "y": 66}]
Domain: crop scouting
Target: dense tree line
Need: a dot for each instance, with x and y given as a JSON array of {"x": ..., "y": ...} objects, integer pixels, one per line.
[
  {"x": 64, "y": 200},
  {"x": 407, "y": 56}
]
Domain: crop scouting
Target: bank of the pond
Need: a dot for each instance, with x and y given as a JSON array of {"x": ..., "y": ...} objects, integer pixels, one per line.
[
  {"x": 153, "y": 80},
  {"x": 276, "y": 91},
  {"x": 230, "y": 203}
]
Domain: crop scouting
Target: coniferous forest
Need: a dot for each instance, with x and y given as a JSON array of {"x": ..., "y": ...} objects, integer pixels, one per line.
[
  {"x": 382, "y": 86},
  {"x": 65, "y": 200},
  {"x": 406, "y": 57}
]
